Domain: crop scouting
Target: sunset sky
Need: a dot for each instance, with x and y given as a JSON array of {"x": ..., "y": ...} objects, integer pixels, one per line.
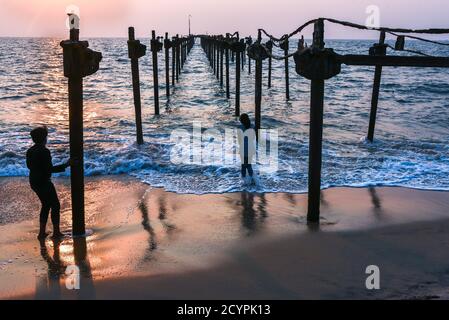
[{"x": 110, "y": 18}]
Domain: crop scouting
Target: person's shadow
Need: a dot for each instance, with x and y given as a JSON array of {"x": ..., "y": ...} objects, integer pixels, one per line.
[{"x": 51, "y": 286}]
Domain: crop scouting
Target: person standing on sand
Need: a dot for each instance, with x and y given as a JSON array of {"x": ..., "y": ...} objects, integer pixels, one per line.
[
  {"x": 247, "y": 142},
  {"x": 39, "y": 163}
]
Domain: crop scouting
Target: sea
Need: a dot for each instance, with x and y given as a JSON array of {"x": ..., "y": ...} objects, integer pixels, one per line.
[{"x": 410, "y": 149}]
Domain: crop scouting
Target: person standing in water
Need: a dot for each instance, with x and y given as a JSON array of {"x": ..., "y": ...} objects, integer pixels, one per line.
[
  {"x": 38, "y": 159},
  {"x": 247, "y": 143}
]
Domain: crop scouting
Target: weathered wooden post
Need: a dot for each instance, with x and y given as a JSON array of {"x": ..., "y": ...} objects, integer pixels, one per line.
[
  {"x": 214, "y": 53},
  {"x": 217, "y": 63},
  {"x": 136, "y": 50},
  {"x": 316, "y": 131},
  {"x": 178, "y": 65},
  {"x": 228, "y": 91},
  {"x": 316, "y": 64},
  {"x": 181, "y": 53},
  {"x": 167, "y": 45},
  {"x": 173, "y": 61},
  {"x": 79, "y": 62},
  {"x": 237, "y": 47},
  {"x": 243, "y": 57},
  {"x": 249, "y": 42},
  {"x": 183, "y": 49},
  {"x": 221, "y": 62},
  {"x": 156, "y": 46},
  {"x": 285, "y": 46},
  {"x": 258, "y": 82},
  {"x": 210, "y": 50},
  {"x": 269, "y": 46},
  {"x": 379, "y": 50}
]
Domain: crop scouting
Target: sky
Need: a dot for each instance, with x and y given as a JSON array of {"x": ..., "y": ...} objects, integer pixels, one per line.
[{"x": 111, "y": 18}]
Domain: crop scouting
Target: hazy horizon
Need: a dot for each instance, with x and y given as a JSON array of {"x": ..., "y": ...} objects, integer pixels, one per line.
[{"x": 110, "y": 19}]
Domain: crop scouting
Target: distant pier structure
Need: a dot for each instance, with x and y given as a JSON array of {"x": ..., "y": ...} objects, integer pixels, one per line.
[{"x": 315, "y": 63}]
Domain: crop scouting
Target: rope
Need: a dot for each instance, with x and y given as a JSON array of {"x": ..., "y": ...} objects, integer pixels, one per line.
[
  {"x": 421, "y": 39},
  {"x": 392, "y": 31},
  {"x": 288, "y": 36},
  {"x": 410, "y": 51},
  {"x": 361, "y": 27},
  {"x": 275, "y": 57}
]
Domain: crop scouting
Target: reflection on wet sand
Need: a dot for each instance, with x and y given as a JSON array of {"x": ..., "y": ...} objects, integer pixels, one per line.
[
  {"x": 377, "y": 203},
  {"x": 87, "y": 290},
  {"x": 147, "y": 226},
  {"x": 323, "y": 201},
  {"x": 163, "y": 215},
  {"x": 145, "y": 208},
  {"x": 185, "y": 233},
  {"x": 50, "y": 286},
  {"x": 290, "y": 198},
  {"x": 252, "y": 219}
]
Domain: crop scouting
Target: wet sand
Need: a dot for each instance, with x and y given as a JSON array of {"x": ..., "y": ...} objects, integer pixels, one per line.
[{"x": 148, "y": 243}]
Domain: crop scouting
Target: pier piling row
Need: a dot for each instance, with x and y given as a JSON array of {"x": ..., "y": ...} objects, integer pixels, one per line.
[{"x": 315, "y": 63}]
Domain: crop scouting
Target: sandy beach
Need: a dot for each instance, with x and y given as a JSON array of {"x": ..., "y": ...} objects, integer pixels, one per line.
[{"x": 146, "y": 243}]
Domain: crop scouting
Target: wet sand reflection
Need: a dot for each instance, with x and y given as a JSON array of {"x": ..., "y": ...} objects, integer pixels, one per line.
[{"x": 53, "y": 284}]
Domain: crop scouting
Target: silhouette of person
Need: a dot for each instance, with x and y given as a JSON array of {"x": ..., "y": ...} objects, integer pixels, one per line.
[
  {"x": 39, "y": 163},
  {"x": 247, "y": 142}
]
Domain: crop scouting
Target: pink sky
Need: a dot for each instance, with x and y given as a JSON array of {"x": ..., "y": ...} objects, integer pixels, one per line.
[{"x": 111, "y": 18}]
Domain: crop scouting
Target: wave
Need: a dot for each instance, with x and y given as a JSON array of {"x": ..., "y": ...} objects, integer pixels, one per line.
[{"x": 410, "y": 149}]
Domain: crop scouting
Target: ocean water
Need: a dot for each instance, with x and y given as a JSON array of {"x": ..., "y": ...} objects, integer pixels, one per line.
[{"x": 411, "y": 147}]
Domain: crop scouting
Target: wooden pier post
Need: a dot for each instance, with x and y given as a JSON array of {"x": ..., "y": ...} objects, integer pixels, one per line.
[
  {"x": 316, "y": 133},
  {"x": 285, "y": 47},
  {"x": 135, "y": 51},
  {"x": 243, "y": 55},
  {"x": 217, "y": 63},
  {"x": 173, "y": 61},
  {"x": 79, "y": 62},
  {"x": 237, "y": 78},
  {"x": 269, "y": 46},
  {"x": 214, "y": 56},
  {"x": 178, "y": 65},
  {"x": 248, "y": 43},
  {"x": 167, "y": 66},
  {"x": 228, "y": 91},
  {"x": 258, "y": 89},
  {"x": 211, "y": 54},
  {"x": 221, "y": 63},
  {"x": 154, "y": 49},
  {"x": 181, "y": 53},
  {"x": 375, "y": 96}
]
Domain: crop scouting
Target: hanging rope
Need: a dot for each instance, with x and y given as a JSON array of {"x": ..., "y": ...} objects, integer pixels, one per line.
[
  {"x": 288, "y": 36},
  {"x": 392, "y": 31},
  {"x": 389, "y": 30},
  {"x": 410, "y": 51},
  {"x": 418, "y": 38}
]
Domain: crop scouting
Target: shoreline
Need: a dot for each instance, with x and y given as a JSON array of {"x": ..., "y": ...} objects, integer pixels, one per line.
[{"x": 149, "y": 243}]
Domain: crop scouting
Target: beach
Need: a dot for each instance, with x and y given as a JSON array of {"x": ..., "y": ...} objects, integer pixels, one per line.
[{"x": 146, "y": 243}]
